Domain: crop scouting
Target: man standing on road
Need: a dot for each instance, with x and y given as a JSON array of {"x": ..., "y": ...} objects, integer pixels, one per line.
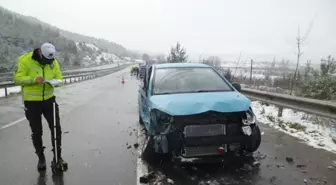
[{"x": 33, "y": 69}]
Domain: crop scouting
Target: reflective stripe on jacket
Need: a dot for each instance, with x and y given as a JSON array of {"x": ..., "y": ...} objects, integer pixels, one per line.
[{"x": 27, "y": 71}]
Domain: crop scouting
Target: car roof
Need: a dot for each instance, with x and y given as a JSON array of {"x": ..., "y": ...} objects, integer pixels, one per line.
[{"x": 180, "y": 65}]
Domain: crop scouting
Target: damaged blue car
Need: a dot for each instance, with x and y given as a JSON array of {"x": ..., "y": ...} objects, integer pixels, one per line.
[{"x": 190, "y": 111}]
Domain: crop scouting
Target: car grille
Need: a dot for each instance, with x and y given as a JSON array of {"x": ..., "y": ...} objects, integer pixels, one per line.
[
  {"x": 190, "y": 151},
  {"x": 231, "y": 121},
  {"x": 210, "y": 117},
  {"x": 202, "y": 134}
]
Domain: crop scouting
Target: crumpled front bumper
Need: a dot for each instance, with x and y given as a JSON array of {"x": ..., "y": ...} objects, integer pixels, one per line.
[{"x": 194, "y": 142}]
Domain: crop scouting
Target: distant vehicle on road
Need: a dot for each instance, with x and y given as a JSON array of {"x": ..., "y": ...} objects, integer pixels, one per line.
[{"x": 190, "y": 111}]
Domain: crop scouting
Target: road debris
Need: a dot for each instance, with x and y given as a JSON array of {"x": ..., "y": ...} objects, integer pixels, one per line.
[
  {"x": 301, "y": 166},
  {"x": 280, "y": 166},
  {"x": 146, "y": 178},
  {"x": 170, "y": 181},
  {"x": 331, "y": 168},
  {"x": 272, "y": 179},
  {"x": 260, "y": 156},
  {"x": 246, "y": 167},
  {"x": 289, "y": 159}
]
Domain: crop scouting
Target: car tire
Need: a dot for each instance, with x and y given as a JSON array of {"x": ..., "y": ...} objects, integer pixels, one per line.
[
  {"x": 140, "y": 119},
  {"x": 148, "y": 152},
  {"x": 255, "y": 140}
]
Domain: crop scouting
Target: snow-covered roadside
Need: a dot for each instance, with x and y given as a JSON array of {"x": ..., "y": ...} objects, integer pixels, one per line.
[
  {"x": 10, "y": 90},
  {"x": 295, "y": 124}
]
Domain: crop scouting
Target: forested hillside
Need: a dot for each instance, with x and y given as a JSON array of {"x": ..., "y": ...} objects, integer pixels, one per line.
[{"x": 19, "y": 34}]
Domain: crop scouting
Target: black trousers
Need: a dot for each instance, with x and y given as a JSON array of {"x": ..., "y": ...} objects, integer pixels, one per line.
[
  {"x": 137, "y": 73},
  {"x": 34, "y": 111}
]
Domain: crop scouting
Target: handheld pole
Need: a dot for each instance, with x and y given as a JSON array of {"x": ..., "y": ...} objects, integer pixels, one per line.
[{"x": 55, "y": 140}]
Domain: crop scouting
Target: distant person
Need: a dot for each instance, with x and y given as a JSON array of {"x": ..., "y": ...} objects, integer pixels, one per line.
[
  {"x": 136, "y": 71},
  {"x": 33, "y": 69}
]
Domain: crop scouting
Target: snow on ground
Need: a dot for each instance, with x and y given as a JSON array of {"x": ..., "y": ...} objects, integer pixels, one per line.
[
  {"x": 127, "y": 58},
  {"x": 256, "y": 74},
  {"x": 140, "y": 61},
  {"x": 107, "y": 57},
  {"x": 294, "y": 124},
  {"x": 10, "y": 90},
  {"x": 256, "y": 64},
  {"x": 87, "y": 58},
  {"x": 77, "y": 44},
  {"x": 92, "y": 46}
]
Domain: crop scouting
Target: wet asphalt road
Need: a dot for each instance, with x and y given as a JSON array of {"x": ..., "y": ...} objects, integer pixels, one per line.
[
  {"x": 97, "y": 124},
  {"x": 99, "y": 117}
]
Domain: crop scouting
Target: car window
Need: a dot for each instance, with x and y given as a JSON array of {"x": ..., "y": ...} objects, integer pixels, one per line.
[
  {"x": 144, "y": 79},
  {"x": 186, "y": 80},
  {"x": 148, "y": 76}
]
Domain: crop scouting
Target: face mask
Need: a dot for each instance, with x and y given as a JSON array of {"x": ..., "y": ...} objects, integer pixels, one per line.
[{"x": 45, "y": 61}]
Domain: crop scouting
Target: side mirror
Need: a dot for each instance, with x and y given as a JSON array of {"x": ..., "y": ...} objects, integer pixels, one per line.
[{"x": 237, "y": 86}]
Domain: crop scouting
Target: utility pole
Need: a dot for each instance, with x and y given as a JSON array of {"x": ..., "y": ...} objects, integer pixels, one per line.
[{"x": 251, "y": 69}]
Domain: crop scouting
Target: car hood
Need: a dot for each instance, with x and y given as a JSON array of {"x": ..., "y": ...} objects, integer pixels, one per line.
[{"x": 195, "y": 103}]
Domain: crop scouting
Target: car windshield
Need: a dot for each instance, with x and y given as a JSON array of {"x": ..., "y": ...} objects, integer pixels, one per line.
[{"x": 187, "y": 80}]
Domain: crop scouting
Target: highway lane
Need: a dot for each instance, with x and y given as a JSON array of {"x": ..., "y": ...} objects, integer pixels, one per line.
[
  {"x": 99, "y": 118},
  {"x": 12, "y": 107}
]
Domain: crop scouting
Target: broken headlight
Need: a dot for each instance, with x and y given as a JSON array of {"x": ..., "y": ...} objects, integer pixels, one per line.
[
  {"x": 162, "y": 121},
  {"x": 249, "y": 117}
]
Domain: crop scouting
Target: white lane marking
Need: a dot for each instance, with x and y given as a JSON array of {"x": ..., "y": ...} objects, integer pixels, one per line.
[
  {"x": 13, "y": 123},
  {"x": 142, "y": 167}
]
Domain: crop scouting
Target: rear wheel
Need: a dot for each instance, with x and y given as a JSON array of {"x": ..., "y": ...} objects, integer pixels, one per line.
[{"x": 255, "y": 140}]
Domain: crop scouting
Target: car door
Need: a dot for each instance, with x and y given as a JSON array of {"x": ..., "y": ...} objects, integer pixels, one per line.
[
  {"x": 144, "y": 91},
  {"x": 142, "y": 97}
]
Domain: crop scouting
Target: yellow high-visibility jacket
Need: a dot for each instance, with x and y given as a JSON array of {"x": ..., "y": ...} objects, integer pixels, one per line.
[{"x": 27, "y": 71}]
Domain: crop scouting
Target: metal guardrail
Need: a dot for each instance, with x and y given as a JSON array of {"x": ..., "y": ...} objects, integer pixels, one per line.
[
  {"x": 313, "y": 106},
  {"x": 7, "y": 77},
  {"x": 73, "y": 76}
]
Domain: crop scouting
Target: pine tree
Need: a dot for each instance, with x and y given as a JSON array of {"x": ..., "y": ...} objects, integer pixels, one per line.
[{"x": 177, "y": 54}]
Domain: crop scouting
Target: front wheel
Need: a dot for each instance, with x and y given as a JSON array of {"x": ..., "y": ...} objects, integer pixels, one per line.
[
  {"x": 255, "y": 140},
  {"x": 140, "y": 119}
]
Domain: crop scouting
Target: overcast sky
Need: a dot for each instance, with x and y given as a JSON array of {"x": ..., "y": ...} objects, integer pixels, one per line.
[{"x": 259, "y": 29}]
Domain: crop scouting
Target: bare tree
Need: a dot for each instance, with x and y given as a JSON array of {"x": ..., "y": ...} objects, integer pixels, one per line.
[{"x": 299, "y": 41}]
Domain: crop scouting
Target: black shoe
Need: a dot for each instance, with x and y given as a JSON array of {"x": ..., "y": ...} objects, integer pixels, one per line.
[
  {"x": 62, "y": 161},
  {"x": 61, "y": 166},
  {"x": 41, "y": 165}
]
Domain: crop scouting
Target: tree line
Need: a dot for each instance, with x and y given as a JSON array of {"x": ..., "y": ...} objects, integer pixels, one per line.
[{"x": 20, "y": 34}]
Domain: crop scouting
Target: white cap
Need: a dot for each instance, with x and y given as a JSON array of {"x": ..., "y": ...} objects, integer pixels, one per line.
[{"x": 48, "y": 50}]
